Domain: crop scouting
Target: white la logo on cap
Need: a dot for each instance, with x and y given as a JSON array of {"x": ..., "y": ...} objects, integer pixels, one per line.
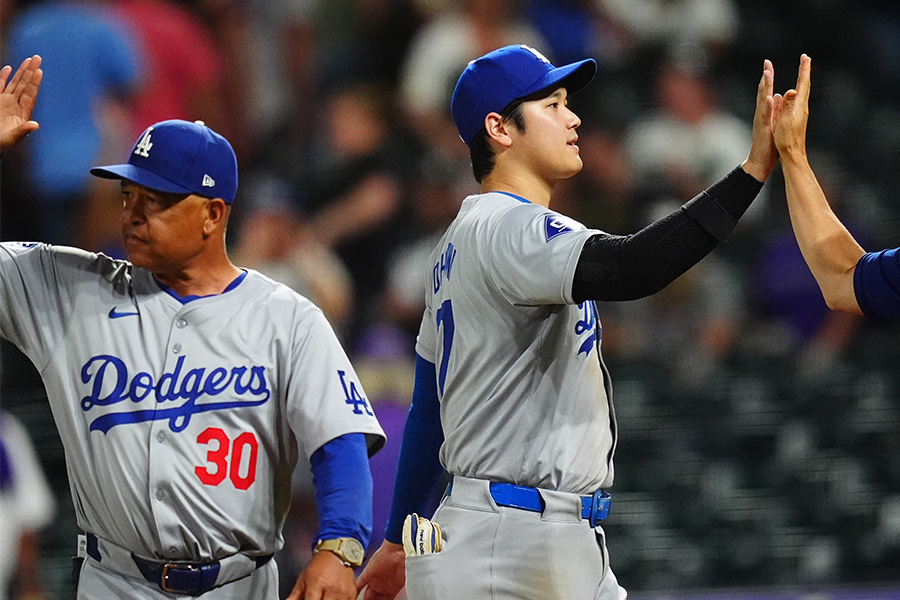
[
  {"x": 208, "y": 181},
  {"x": 142, "y": 148},
  {"x": 537, "y": 54}
]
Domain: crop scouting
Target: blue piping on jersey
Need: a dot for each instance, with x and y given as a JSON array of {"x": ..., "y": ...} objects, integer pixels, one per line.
[
  {"x": 511, "y": 195},
  {"x": 185, "y": 299}
]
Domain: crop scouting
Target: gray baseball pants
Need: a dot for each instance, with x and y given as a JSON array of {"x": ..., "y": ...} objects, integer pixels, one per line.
[{"x": 493, "y": 552}]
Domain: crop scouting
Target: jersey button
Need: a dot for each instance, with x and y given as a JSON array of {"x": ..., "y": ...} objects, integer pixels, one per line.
[
  {"x": 176, "y": 348},
  {"x": 181, "y": 324},
  {"x": 161, "y": 437},
  {"x": 160, "y": 494},
  {"x": 173, "y": 552}
]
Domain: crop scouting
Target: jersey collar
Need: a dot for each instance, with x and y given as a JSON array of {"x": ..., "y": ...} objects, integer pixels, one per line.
[
  {"x": 191, "y": 298},
  {"x": 511, "y": 195}
]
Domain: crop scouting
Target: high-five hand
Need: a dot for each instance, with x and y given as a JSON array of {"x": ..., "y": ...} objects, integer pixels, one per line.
[{"x": 17, "y": 100}]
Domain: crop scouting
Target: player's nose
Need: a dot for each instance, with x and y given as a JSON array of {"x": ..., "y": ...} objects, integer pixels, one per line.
[
  {"x": 576, "y": 121},
  {"x": 132, "y": 212}
]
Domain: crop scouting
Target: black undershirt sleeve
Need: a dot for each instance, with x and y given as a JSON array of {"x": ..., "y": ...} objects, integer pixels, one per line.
[{"x": 617, "y": 267}]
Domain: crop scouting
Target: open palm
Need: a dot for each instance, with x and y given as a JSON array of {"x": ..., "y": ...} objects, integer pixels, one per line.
[{"x": 17, "y": 100}]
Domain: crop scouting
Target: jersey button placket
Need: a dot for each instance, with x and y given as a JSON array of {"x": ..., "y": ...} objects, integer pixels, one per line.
[{"x": 165, "y": 446}]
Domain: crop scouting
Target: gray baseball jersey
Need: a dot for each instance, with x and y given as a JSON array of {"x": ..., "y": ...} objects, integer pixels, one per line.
[
  {"x": 525, "y": 397},
  {"x": 180, "y": 422}
]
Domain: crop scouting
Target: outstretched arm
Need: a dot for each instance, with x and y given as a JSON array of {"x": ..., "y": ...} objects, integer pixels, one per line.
[
  {"x": 828, "y": 248},
  {"x": 629, "y": 267},
  {"x": 17, "y": 99}
]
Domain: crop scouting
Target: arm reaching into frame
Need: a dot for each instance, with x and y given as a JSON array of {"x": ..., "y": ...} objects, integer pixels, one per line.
[
  {"x": 17, "y": 98},
  {"x": 827, "y": 246}
]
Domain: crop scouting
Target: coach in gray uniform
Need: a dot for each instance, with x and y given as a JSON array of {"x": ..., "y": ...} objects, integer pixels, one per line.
[
  {"x": 184, "y": 387},
  {"x": 511, "y": 394}
]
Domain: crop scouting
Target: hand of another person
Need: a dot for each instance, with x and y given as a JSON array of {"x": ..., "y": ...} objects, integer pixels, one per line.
[
  {"x": 793, "y": 114},
  {"x": 17, "y": 98},
  {"x": 385, "y": 575}
]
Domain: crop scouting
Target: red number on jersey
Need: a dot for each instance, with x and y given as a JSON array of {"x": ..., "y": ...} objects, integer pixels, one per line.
[
  {"x": 219, "y": 457},
  {"x": 245, "y": 440}
]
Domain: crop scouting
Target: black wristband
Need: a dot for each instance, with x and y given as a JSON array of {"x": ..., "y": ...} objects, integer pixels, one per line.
[
  {"x": 718, "y": 208},
  {"x": 709, "y": 214}
]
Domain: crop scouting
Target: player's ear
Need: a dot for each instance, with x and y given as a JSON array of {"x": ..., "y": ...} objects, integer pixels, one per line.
[
  {"x": 497, "y": 129},
  {"x": 216, "y": 215}
]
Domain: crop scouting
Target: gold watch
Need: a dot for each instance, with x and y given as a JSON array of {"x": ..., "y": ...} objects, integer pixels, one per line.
[{"x": 348, "y": 549}]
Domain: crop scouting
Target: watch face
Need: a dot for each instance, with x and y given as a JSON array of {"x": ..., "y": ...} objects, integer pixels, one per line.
[{"x": 354, "y": 551}]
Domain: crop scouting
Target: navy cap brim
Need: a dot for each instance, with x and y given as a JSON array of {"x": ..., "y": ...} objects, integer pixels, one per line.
[
  {"x": 573, "y": 77},
  {"x": 140, "y": 176}
]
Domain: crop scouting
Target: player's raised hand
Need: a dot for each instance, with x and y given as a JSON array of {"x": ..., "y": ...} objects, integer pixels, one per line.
[
  {"x": 325, "y": 578},
  {"x": 763, "y": 154},
  {"x": 17, "y": 98},
  {"x": 385, "y": 575},
  {"x": 790, "y": 127}
]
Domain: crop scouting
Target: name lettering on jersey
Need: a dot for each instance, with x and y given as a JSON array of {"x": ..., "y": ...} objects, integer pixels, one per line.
[
  {"x": 142, "y": 148},
  {"x": 353, "y": 397},
  {"x": 442, "y": 267},
  {"x": 111, "y": 383},
  {"x": 588, "y": 324},
  {"x": 555, "y": 225}
]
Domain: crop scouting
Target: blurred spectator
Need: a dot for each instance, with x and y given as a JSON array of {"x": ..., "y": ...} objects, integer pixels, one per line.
[
  {"x": 283, "y": 52},
  {"x": 89, "y": 61},
  {"x": 183, "y": 65},
  {"x": 697, "y": 25},
  {"x": 229, "y": 24},
  {"x": 440, "y": 51},
  {"x": 688, "y": 141},
  {"x": 435, "y": 197},
  {"x": 363, "y": 38},
  {"x": 358, "y": 165},
  {"x": 26, "y": 507},
  {"x": 276, "y": 240}
]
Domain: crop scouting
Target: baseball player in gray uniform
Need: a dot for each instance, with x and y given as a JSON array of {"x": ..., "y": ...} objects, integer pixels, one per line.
[
  {"x": 184, "y": 388},
  {"x": 511, "y": 395}
]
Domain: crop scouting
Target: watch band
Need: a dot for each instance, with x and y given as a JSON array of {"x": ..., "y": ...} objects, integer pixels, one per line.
[{"x": 349, "y": 550}]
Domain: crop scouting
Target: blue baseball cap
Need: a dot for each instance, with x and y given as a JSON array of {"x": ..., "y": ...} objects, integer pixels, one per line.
[
  {"x": 180, "y": 157},
  {"x": 488, "y": 84}
]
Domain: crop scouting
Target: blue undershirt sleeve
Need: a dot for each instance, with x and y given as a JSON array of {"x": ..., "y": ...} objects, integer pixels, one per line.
[
  {"x": 343, "y": 488},
  {"x": 876, "y": 282},
  {"x": 418, "y": 468}
]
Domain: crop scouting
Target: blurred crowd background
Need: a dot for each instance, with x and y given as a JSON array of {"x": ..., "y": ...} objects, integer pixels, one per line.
[{"x": 759, "y": 432}]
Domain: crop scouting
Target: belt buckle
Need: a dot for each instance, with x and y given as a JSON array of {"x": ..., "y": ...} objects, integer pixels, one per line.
[
  {"x": 164, "y": 576},
  {"x": 600, "y": 503}
]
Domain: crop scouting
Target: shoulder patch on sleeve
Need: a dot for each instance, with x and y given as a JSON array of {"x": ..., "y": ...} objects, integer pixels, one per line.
[{"x": 555, "y": 225}]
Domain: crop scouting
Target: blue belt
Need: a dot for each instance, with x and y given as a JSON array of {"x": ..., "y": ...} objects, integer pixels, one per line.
[
  {"x": 174, "y": 577},
  {"x": 594, "y": 508}
]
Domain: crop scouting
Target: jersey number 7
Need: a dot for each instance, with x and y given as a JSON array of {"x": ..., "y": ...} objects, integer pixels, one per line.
[{"x": 445, "y": 316}]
